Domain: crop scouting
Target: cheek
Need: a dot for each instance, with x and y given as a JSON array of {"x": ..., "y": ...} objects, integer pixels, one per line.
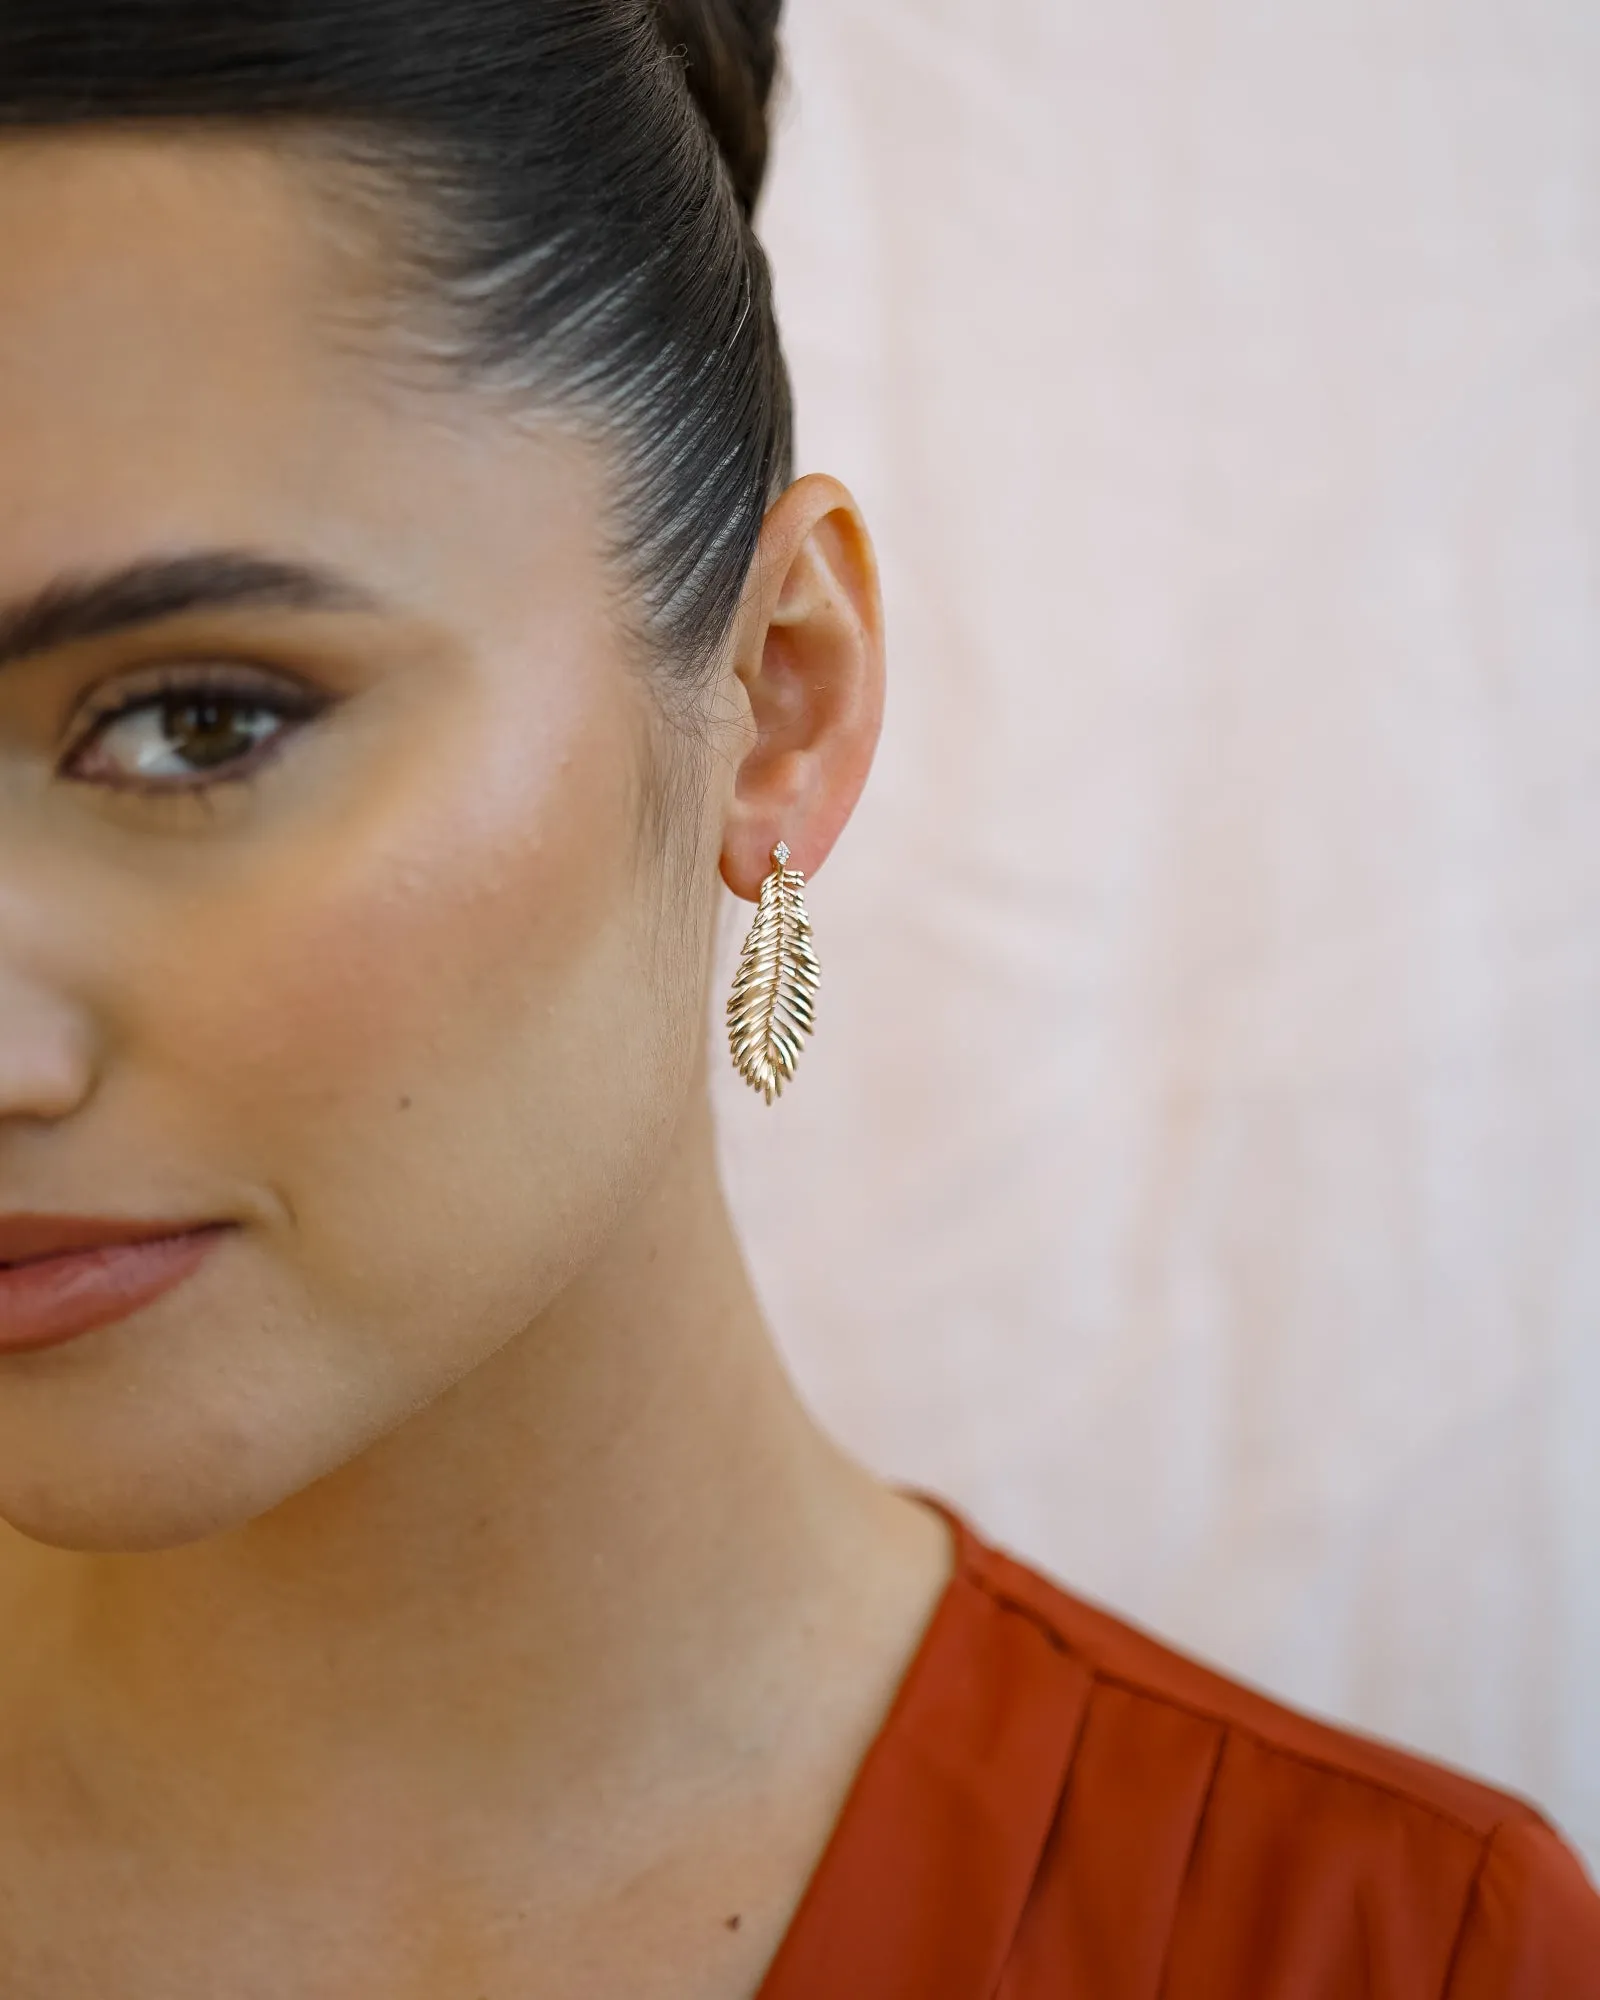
[
  {"x": 423, "y": 1035},
  {"x": 417, "y": 1055}
]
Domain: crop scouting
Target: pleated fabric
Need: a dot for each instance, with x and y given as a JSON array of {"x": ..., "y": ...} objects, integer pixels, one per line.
[{"x": 1058, "y": 1807}]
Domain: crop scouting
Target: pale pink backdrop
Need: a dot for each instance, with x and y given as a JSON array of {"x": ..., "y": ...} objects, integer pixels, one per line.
[{"x": 1197, "y": 1170}]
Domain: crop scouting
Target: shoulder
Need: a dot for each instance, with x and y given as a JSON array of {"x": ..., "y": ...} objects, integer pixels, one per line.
[{"x": 1253, "y": 1840}]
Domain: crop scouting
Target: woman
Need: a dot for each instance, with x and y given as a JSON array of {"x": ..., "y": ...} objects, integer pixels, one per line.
[{"x": 421, "y": 1580}]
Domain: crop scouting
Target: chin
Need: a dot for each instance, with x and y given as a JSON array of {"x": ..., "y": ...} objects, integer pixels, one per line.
[
  {"x": 102, "y": 1482},
  {"x": 131, "y": 1507},
  {"x": 111, "y": 1524},
  {"x": 171, "y": 1432}
]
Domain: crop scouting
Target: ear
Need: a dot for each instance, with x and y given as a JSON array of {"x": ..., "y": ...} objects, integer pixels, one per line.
[{"x": 808, "y": 655}]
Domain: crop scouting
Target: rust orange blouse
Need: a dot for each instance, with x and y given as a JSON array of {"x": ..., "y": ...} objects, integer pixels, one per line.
[{"x": 1059, "y": 1808}]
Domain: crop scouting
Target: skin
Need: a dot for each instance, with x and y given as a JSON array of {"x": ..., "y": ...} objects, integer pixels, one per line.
[{"x": 443, "y": 1592}]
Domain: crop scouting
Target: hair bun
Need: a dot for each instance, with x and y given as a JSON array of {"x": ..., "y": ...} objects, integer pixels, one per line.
[{"x": 729, "y": 50}]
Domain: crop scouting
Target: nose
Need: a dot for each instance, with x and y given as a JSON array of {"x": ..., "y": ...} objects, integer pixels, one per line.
[{"x": 46, "y": 1051}]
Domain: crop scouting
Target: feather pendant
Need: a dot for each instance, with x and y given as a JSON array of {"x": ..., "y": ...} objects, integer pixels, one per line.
[{"x": 774, "y": 990}]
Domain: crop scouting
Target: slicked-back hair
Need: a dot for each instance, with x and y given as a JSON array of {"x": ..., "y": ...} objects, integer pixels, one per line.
[{"x": 577, "y": 178}]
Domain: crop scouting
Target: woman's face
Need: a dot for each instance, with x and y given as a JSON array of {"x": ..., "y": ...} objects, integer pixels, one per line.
[{"x": 325, "y": 908}]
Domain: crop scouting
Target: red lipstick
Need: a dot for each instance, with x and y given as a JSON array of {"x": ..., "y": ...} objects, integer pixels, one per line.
[{"x": 61, "y": 1276}]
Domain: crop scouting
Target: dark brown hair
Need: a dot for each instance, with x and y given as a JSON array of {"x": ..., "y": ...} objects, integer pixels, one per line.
[{"x": 585, "y": 172}]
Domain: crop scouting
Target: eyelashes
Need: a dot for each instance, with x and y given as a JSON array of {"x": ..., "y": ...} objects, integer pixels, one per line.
[{"x": 188, "y": 730}]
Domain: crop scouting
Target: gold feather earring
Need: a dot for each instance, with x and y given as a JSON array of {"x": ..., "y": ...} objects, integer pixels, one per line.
[{"x": 770, "y": 1007}]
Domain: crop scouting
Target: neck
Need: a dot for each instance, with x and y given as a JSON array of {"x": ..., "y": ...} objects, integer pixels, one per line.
[{"x": 622, "y": 1520}]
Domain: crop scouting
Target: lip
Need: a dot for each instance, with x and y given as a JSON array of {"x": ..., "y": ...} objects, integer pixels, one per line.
[{"x": 64, "y": 1276}]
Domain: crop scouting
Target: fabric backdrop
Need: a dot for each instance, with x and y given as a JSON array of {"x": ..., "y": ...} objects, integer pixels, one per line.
[{"x": 1196, "y": 1172}]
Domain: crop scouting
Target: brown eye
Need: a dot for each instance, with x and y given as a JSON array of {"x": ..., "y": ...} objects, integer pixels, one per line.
[
  {"x": 210, "y": 731},
  {"x": 181, "y": 738}
]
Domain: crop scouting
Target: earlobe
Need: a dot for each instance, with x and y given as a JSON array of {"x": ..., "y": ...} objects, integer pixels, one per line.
[{"x": 809, "y": 654}]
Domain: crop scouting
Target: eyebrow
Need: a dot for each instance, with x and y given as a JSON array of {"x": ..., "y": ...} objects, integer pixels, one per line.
[{"x": 72, "y": 609}]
